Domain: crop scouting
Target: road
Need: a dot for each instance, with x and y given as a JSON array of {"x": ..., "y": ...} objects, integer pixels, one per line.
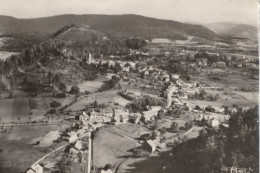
[
  {"x": 169, "y": 95},
  {"x": 46, "y": 155}
]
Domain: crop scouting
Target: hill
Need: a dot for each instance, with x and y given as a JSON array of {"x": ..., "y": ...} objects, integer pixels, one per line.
[
  {"x": 59, "y": 60},
  {"x": 111, "y": 25},
  {"x": 233, "y": 29}
]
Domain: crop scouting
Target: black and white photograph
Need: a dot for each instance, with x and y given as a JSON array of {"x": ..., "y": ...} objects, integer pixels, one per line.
[{"x": 129, "y": 86}]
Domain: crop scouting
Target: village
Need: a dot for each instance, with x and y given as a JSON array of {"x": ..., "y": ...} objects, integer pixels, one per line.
[
  {"x": 138, "y": 105},
  {"x": 166, "y": 111}
]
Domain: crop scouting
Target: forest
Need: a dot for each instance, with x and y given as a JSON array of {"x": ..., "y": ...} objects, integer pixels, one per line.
[{"x": 215, "y": 150}]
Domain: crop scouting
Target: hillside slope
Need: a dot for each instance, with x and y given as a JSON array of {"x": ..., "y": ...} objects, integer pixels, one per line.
[
  {"x": 58, "y": 61},
  {"x": 111, "y": 25},
  {"x": 233, "y": 29}
]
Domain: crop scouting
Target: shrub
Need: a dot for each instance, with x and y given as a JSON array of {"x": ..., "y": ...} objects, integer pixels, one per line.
[
  {"x": 52, "y": 111},
  {"x": 74, "y": 90},
  {"x": 60, "y": 95},
  {"x": 55, "y": 104},
  {"x": 62, "y": 86},
  {"x": 188, "y": 125}
]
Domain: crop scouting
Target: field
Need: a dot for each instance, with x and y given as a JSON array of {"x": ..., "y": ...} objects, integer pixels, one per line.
[
  {"x": 4, "y": 54},
  {"x": 95, "y": 85},
  {"x": 230, "y": 81},
  {"x": 25, "y": 108},
  {"x": 110, "y": 96},
  {"x": 113, "y": 144},
  {"x": 16, "y": 150}
]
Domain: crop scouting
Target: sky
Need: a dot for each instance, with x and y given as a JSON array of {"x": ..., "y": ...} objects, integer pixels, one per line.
[{"x": 192, "y": 11}]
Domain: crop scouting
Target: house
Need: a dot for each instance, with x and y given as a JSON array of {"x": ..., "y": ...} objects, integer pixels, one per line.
[
  {"x": 167, "y": 54},
  {"x": 120, "y": 115},
  {"x": 198, "y": 60},
  {"x": 71, "y": 136},
  {"x": 250, "y": 65},
  {"x": 107, "y": 112},
  {"x": 124, "y": 118},
  {"x": 106, "y": 171},
  {"x": 78, "y": 145},
  {"x": 219, "y": 110},
  {"x": 150, "y": 114},
  {"x": 221, "y": 64},
  {"x": 204, "y": 64},
  {"x": 82, "y": 116},
  {"x": 73, "y": 151},
  {"x": 182, "y": 64},
  {"x": 126, "y": 69},
  {"x": 146, "y": 72},
  {"x": 81, "y": 132},
  {"x": 166, "y": 78},
  {"x": 176, "y": 101},
  {"x": 144, "y": 54},
  {"x": 96, "y": 116},
  {"x": 175, "y": 77},
  {"x": 149, "y": 146},
  {"x": 213, "y": 122},
  {"x": 37, "y": 168},
  {"x": 135, "y": 118}
]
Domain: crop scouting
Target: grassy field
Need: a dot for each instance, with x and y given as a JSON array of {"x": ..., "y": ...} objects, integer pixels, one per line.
[
  {"x": 21, "y": 109},
  {"x": 17, "y": 152},
  {"x": 94, "y": 85},
  {"x": 113, "y": 144},
  {"x": 231, "y": 81},
  {"x": 110, "y": 96},
  {"x": 4, "y": 54}
]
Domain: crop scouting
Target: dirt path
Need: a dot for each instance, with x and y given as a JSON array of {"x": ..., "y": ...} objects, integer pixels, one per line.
[{"x": 52, "y": 152}]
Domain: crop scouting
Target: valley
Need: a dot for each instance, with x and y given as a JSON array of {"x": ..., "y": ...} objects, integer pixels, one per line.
[{"x": 103, "y": 97}]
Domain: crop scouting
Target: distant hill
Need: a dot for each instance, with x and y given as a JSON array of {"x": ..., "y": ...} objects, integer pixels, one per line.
[
  {"x": 80, "y": 33},
  {"x": 233, "y": 29},
  {"x": 111, "y": 25}
]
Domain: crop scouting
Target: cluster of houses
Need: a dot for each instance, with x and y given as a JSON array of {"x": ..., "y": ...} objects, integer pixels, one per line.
[
  {"x": 78, "y": 151},
  {"x": 213, "y": 119},
  {"x": 113, "y": 115}
]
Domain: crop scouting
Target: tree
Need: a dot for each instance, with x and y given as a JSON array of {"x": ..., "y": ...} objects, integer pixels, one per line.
[
  {"x": 62, "y": 86},
  {"x": 154, "y": 135},
  {"x": 52, "y": 111},
  {"x": 188, "y": 125},
  {"x": 163, "y": 130},
  {"x": 55, "y": 104},
  {"x": 174, "y": 126},
  {"x": 74, "y": 90}
]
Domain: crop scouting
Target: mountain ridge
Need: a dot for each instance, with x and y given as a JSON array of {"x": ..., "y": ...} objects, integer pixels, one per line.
[
  {"x": 226, "y": 28},
  {"x": 111, "y": 25}
]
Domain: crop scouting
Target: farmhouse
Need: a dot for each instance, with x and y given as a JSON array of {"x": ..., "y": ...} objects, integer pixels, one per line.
[
  {"x": 149, "y": 115},
  {"x": 126, "y": 69},
  {"x": 221, "y": 64},
  {"x": 71, "y": 136},
  {"x": 96, "y": 116},
  {"x": 35, "y": 169},
  {"x": 213, "y": 122},
  {"x": 135, "y": 118},
  {"x": 78, "y": 145},
  {"x": 149, "y": 146},
  {"x": 73, "y": 151},
  {"x": 124, "y": 118}
]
